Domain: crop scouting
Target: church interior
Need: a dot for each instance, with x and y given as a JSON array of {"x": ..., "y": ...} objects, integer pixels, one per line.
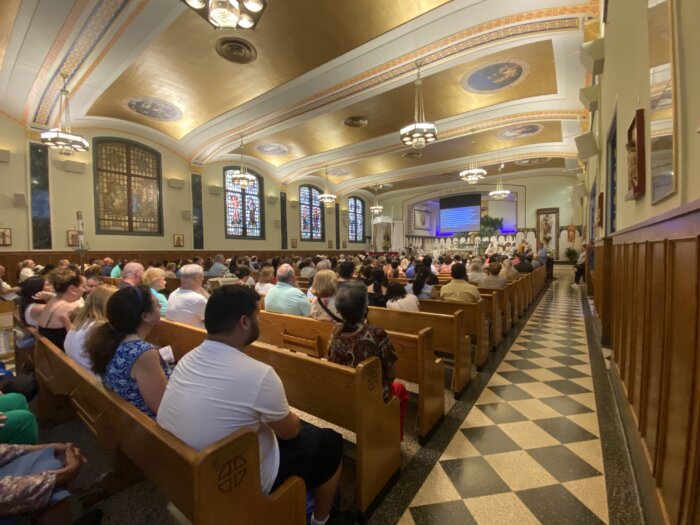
[{"x": 165, "y": 130}]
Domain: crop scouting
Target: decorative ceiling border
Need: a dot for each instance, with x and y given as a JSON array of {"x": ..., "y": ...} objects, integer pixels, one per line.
[
  {"x": 93, "y": 30},
  {"x": 443, "y": 171},
  {"x": 487, "y": 33},
  {"x": 572, "y": 114}
]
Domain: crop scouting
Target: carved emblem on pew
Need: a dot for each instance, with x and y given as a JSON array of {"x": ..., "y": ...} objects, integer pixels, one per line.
[{"x": 232, "y": 474}]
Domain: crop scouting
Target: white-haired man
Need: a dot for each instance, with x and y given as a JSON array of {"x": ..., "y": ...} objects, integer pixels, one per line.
[
  {"x": 27, "y": 270},
  {"x": 186, "y": 304},
  {"x": 285, "y": 297},
  {"x": 131, "y": 274}
]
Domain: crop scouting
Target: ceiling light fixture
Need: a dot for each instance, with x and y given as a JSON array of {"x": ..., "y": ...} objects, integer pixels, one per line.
[
  {"x": 499, "y": 193},
  {"x": 240, "y": 174},
  {"x": 473, "y": 173},
  {"x": 61, "y": 138},
  {"x": 327, "y": 197},
  {"x": 232, "y": 14},
  {"x": 376, "y": 208},
  {"x": 420, "y": 132}
]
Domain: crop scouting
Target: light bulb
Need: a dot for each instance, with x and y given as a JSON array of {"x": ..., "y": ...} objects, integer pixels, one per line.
[
  {"x": 196, "y": 4},
  {"x": 254, "y": 6}
]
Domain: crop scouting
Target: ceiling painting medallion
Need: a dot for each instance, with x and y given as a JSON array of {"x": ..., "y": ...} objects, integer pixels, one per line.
[
  {"x": 272, "y": 148},
  {"x": 532, "y": 162},
  {"x": 152, "y": 107},
  {"x": 496, "y": 77},
  {"x": 520, "y": 131}
]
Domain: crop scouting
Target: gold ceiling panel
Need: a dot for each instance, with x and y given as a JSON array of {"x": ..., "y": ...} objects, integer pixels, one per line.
[
  {"x": 443, "y": 94},
  {"x": 181, "y": 67},
  {"x": 484, "y": 142},
  {"x": 453, "y": 176},
  {"x": 8, "y": 13}
]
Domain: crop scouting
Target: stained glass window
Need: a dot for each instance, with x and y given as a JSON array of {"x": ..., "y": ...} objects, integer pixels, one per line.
[
  {"x": 128, "y": 196},
  {"x": 311, "y": 213},
  {"x": 356, "y": 226},
  {"x": 244, "y": 212}
]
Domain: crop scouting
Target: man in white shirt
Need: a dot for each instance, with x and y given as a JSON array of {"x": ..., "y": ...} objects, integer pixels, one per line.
[
  {"x": 186, "y": 304},
  {"x": 216, "y": 390},
  {"x": 27, "y": 270}
]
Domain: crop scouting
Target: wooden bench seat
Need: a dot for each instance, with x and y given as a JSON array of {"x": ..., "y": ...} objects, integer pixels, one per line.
[
  {"x": 502, "y": 298},
  {"x": 448, "y": 336},
  {"x": 351, "y": 398},
  {"x": 492, "y": 307},
  {"x": 416, "y": 360},
  {"x": 209, "y": 487}
]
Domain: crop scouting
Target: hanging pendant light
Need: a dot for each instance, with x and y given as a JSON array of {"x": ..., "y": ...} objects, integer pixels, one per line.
[
  {"x": 231, "y": 14},
  {"x": 327, "y": 197},
  {"x": 499, "y": 193},
  {"x": 61, "y": 138},
  {"x": 240, "y": 174},
  {"x": 473, "y": 173},
  {"x": 376, "y": 208},
  {"x": 420, "y": 132}
]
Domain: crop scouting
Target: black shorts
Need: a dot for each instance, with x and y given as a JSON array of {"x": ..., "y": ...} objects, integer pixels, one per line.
[{"x": 314, "y": 455}]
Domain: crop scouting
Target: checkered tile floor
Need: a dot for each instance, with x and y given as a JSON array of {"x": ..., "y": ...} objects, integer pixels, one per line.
[{"x": 529, "y": 451}]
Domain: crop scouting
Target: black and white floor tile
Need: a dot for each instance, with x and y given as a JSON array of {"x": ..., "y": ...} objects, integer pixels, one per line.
[{"x": 529, "y": 451}]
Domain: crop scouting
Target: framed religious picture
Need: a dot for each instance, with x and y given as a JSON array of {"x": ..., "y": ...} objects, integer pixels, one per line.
[
  {"x": 178, "y": 240},
  {"x": 345, "y": 245},
  {"x": 294, "y": 244},
  {"x": 5, "y": 236},
  {"x": 547, "y": 231},
  {"x": 72, "y": 238},
  {"x": 421, "y": 219},
  {"x": 636, "y": 163}
]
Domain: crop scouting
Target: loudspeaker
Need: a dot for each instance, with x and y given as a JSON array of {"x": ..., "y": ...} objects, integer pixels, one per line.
[
  {"x": 20, "y": 200},
  {"x": 589, "y": 97},
  {"x": 293, "y": 204},
  {"x": 178, "y": 184},
  {"x": 586, "y": 145},
  {"x": 186, "y": 214},
  {"x": 592, "y": 55},
  {"x": 74, "y": 166},
  {"x": 215, "y": 190},
  {"x": 272, "y": 199},
  {"x": 5, "y": 155}
]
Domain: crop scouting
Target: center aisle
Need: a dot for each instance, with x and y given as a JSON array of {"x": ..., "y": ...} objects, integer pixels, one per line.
[{"x": 529, "y": 451}]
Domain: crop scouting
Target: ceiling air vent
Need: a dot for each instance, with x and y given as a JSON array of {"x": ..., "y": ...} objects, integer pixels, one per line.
[
  {"x": 413, "y": 154},
  {"x": 236, "y": 50}
]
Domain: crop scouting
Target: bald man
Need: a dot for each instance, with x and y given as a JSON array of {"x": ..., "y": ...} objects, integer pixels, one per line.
[
  {"x": 285, "y": 297},
  {"x": 132, "y": 274}
]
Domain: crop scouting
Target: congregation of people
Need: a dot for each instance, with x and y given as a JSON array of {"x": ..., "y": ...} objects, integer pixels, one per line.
[{"x": 216, "y": 389}]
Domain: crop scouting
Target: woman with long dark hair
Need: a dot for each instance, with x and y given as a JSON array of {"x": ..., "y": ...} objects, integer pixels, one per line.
[
  {"x": 377, "y": 290},
  {"x": 54, "y": 319},
  {"x": 420, "y": 287},
  {"x": 120, "y": 355}
]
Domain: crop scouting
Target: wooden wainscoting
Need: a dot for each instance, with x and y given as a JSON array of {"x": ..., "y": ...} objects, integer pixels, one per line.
[{"x": 647, "y": 291}]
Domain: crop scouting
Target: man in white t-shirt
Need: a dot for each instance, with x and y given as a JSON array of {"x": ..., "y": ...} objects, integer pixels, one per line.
[
  {"x": 186, "y": 304},
  {"x": 216, "y": 390}
]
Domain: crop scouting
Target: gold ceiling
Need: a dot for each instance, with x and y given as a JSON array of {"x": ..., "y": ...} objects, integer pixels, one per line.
[
  {"x": 8, "y": 13},
  {"x": 443, "y": 94},
  {"x": 479, "y": 143},
  {"x": 181, "y": 67},
  {"x": 453, "y": 176}
]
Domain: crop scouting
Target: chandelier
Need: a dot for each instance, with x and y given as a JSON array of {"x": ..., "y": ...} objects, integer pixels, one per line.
[
  {"x": 327, "y": 197},
  {"x": 240, "y": 174},
  {"x": 420, "y": 132},
  {"x": 376, "y": 208},
  {"x": 499, "y": 193},
  {"x": 473, "y": 173},
  {"x": 233, "y": 14},
  {"x": 61, "y": 138}
]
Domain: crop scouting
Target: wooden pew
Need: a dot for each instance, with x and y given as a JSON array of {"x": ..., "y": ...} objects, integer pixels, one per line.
[
  {"x": 449, "y": 336},
  {"x": 492, "y": 307},
  {"x": 475, "y": 324},
  {"x": 351, "y": 398},
  {"x": 172, "y": 284},
  {"x": 416, "y": 361},
  {"x": 209, "y": 486},
  {"x": 502, "y": 299}
]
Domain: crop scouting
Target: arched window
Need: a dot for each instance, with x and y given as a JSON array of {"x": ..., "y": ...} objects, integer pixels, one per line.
[
  {"x": 311, "y": 214},
  {"x": 356, "y": 225},
  {"x": 128, "y": 197},
  {"x": 243, "y": 207}
]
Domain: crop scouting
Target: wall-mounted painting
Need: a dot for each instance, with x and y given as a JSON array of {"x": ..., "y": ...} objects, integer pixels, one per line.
[
  {"x": 72, "y": 238},
  {"x": 421, "y": 219},
  {"x": 178, "y": 240},
  {"x": 548, "y": 229},
  {"x": 5, "y": 236},
  {"x": 294, "y": 244},
  {"x": 636, "y": 162}
]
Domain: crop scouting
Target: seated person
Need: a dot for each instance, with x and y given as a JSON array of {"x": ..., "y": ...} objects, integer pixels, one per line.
[
  {"x": 17, "y": 423},
  {"x": 493, "y": 280},
  {"x": 523, "y": 266},
  {"x": 377, "y": 290},
  {"x": 355, "y": 341},
  {"x": 265, "y": 280},
  {"x": 35, "y": 293},
  {"x": 7, "y": 292},
  {"x": 285, "y": 297},
  {"x": 346, "y": 270},
  {"x": 94, "y": 311},
  {"x": 508, "y": 272},
  {"x": 120, "y": 355},
  {"x": 476, "y": 272},
  {"x": 216, "y": 389},
  {"x": 395, "y": 271},
  {"x": 420, "y": 287},
  {"x": 54, "y": 320},
  {"x": 323, "y": 301},
  {"x": 186, "y": 304},
  {"x": 398, "y": 299},
  {"x": 458, "y": 289},
  {"x": 242, "y": 273},
  {"x": 132, "y": 274},
  {"x": 154, "y": 278}
]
